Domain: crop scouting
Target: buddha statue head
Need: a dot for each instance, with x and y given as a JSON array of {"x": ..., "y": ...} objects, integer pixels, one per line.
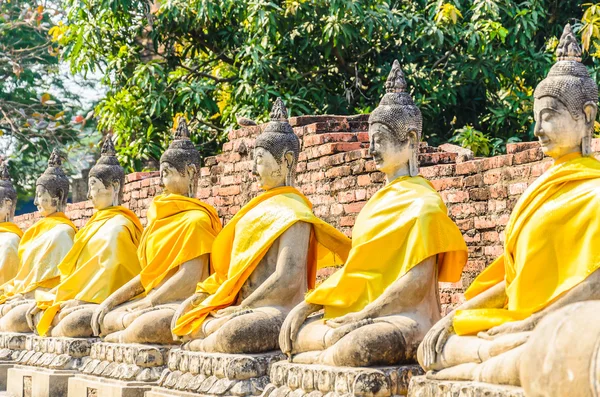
[
  {"x": 395, "y": 129},
  {"x": 565, "y": 103},
  {"x": 180, "y": 164},
  {"x": 276, "y": 151},
  {"x": 52, "y": 187},
  {"x": 106, "y": 178},
  {"x": 8, "y": 195}
]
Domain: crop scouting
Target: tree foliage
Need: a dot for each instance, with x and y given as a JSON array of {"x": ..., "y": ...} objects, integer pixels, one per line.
[
  {"x": 32, "y": 120},
  {"x": 468, "y": 62}
]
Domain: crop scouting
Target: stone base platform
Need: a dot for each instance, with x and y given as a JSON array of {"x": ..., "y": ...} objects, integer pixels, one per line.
[
  {"x": 197, "y": 374},
  {"x": 423, "y": 387},
  {"x": 46, "y": 366},
  {"x": 38, "y": 382},
  {"x": 12, "y": 348},
  {"x": 120, "y": 370},
  {"x": 319, "y": 380}
]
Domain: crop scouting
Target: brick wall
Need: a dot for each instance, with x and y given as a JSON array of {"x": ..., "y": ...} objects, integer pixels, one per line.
[{"x": 336, "y": 173}]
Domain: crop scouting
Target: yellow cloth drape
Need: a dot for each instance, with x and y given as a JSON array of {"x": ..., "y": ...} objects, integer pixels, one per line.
[
  {"x": 103, "y": 258},
  {"x": 9, "y": 227},
  {"x": 552, "y": 244},
  {"x": 41, "y": 249},
  {"x": 403, "y": 224},
  {"x": 9, "y": 257},
  {"x": 245, "y": 240},
  {"x": 179, "y": 229}
]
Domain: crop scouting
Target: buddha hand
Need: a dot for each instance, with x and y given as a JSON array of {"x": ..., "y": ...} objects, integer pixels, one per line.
[
  {"x": 435, "y": 340},
  {"x": 346, "y": 319},
  {"x": 191, "y": 302},
  {"x": 98, "y": 317},
  {"x": 292, "y": 323},
  {"x": 30, "y": 316}
]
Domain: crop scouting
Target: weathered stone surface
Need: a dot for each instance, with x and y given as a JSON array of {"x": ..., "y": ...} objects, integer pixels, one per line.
[
  {"x": 215, "y": 374},
  {"x": 423, "y": 387},
  {"x": 127, "y": 362},
  {"x": 55, "y": 353},
  {"x": 288, "y": 379},
  {"x": 88, "y": 385}
]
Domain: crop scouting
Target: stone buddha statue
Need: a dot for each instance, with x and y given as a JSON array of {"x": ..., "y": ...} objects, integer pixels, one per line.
[
  {"x": 380, "y": 305},
  {"x": 265, "y": 258},
  {"x": 174, "y": 253},
  {"x": 551, "y": 247},
  {"x": 10, "y": 234},
  {"x": 42, "y": 248},
  {"x": 102, "y": 259}
]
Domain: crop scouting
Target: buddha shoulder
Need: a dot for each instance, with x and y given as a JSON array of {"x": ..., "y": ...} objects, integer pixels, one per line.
[
  {"x": 117, "y": 224},
  {"x": 61, "y": 231},
  {"x": 8, "y": 239}
]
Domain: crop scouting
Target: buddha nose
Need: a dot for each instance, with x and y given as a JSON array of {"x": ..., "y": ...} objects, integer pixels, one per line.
[{"x": 537, "y": 130}]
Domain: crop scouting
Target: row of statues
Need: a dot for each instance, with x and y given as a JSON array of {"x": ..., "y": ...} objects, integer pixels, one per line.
[{"x": 249, "y": 287}]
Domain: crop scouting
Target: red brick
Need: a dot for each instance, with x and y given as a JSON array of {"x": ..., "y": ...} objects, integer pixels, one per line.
[
  {"x": 363, "y": 180},
  {"x": 492, "y": 177},
  {"x": 517, "y": 188},
  {"x": 479, "y": 194},
  {"x": 229, "y": 191},
  {"x": 447, "y": 183},
  {"x": 455, "y": 196},
  {"x": 312, "y": 140},
  {"x": 337, "y": 172},
  {"x": 521, "y": 146},
  {"x": 354, "y": 208},
  {"x": 346, "y": 197},
  {"x": 347, "y": 221},
  {"x": 484, "y": 223},
  {"x": 468, "y": 167},
  {"x": 361, "y": 194}
]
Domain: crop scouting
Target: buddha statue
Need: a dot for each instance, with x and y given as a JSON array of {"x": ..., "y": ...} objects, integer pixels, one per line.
[
  {"x": 42, "y": 248},
  {"x": 378, "y": 307},
  {"x": 264, "y": 260},
  {"x": 10, "y": 234},
  {"x": 174, "y": 253},
  {"x": 552, "y": 242},
  {"x": 102, "y": 259}
]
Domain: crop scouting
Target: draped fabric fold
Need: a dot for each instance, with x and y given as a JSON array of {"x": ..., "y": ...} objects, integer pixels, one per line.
[
  {"x": 42, "y": 248},
  {"x": 245, "y": 240},
  {"x": 9, "y": 257},
  {"x": 403, "y": 224},
  {"x": 179, "y": 229},
  {"x": 552, "y": 244},
  {"x": 102, "y": 259}
]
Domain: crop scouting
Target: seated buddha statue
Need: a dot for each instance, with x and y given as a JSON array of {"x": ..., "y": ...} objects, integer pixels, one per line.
[
  {"x": 551, "y": 248},
  {"x": 102, "y": 259},
  {"x": 42, "y": 248},
  {"x": 264, "y": 260},
  {"x": 378, "y": 307},
  {"x": 10, "y": 234},
  {"x": 174, "y": 253}
]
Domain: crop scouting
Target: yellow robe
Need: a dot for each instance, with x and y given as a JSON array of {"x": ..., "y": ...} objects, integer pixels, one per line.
[
  {"x": 10, "y": 234},
  {"x": 42, "y": 248},
  {"x": 552, "y": 244},
  {"x": 103, "y": 258},
  {"x": 179, "y": 229},
  {"x": 403, "y": 224},
  {"x": 245, "y": 240}
]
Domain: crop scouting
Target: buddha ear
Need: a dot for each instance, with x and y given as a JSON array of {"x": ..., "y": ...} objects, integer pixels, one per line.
[
  {"x": 288, "y": 157},
  {"x": 190, "y": 170},
  {"x": 413, "y": 160},
  {"x": 589, "y": 109}
]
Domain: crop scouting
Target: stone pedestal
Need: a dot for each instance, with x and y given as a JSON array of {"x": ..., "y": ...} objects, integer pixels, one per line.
[
  {"x": 12, "y": 348},
  {"x": 320, "y": 380},
  {"x": 213, "y": 374},
  {"x": 46, "y": 365},
  {"x": 120, "y": 370},
  {"x": 37, "y": 382},
  {"x": 423, "y": 387}
]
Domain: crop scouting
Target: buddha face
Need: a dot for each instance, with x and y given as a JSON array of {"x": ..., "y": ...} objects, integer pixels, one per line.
[
  {"x": 556, "y": 128},
  {"x": 390, "y": 155},
  {"x": 6, "y": 210},
  {"x": 46, "y": 204},
  {"x": 103, "y": 196},
  {"x": 269, "y": 172},
  {"x": 175, "y": 182}
]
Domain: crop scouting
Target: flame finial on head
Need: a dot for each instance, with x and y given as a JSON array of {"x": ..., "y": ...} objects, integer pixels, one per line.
[
  {"x": 568, "y": 49},
  {"x": 278, "y": 111},
  {"x": 182, "y": 131},
  {"x": 108, "y": 147},
  {"x": 395, "y": 81},
  {"x": 4, "y": 174},
  {"x": 54, "y": 160}
]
